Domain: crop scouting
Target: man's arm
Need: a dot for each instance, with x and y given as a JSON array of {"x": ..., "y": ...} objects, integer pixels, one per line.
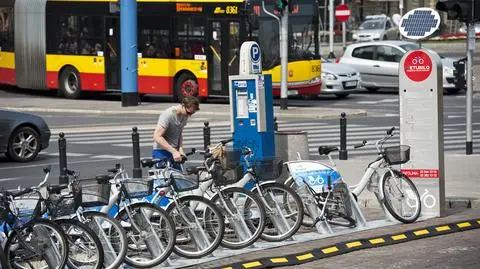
[{"x": 158, "y": 137}]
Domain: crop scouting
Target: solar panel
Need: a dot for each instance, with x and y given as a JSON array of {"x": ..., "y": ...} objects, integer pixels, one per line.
[{"x": 419, "y": 23}]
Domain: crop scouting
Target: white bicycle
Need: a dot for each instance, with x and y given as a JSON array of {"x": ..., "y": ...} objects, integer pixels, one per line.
[{"x": 393, "y": 189}]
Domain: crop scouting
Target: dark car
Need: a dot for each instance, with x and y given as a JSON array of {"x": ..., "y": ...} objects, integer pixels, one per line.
[{"x": 22, "y": 135}]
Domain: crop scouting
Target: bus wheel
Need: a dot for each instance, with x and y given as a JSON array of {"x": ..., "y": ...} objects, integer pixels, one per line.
[
  {"x": 70, "y": 86},
  {"x": 186, "y": 85}
]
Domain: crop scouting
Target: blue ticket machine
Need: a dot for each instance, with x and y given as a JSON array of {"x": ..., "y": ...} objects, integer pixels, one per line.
[{"x": 251, "y": 109}]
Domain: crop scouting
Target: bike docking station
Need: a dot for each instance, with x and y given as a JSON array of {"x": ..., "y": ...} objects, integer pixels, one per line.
[{"x": 421, "y": 117}]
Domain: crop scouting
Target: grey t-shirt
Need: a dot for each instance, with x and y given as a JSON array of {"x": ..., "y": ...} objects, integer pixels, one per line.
[{"x": 173, "y": 125}]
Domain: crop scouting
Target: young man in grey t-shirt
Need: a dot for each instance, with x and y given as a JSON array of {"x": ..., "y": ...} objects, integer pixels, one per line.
[{"x": 168, "y": 135}]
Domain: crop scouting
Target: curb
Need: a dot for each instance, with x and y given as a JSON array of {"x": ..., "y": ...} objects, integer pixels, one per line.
[
  {"x": 299, "y": 113},
  {"x": 359, "y": 244}
]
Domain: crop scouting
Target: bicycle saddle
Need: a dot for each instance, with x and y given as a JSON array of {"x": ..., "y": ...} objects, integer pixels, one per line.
[{"x": 324, "y": 150}]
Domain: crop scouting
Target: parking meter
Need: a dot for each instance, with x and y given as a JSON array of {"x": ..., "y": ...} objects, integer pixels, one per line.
[{"x": 251, "y": 108}]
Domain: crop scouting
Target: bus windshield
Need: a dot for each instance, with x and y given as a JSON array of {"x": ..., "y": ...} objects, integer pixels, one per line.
[{"x": 302, "y": 37}]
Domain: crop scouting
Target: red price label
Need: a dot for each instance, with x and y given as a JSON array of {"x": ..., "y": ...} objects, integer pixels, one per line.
[
  {"x": 421, "y": 173},
  {"x": 418, "y": 66}
]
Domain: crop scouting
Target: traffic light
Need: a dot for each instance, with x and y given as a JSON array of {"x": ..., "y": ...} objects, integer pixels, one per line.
[{"x": 461, "y": 10}]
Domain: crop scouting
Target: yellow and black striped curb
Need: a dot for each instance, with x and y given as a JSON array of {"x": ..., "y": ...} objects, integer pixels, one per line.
[{"x": 349, "y": 246}]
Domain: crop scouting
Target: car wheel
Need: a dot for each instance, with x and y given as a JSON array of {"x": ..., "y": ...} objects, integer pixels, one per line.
[
  {"x": 23, "y": 145},
  {"x": 70, "y": 84},
  {"x": 371, "y": 89},
  {"x": 341, "y": 95},
  {"x": 186, "y": 85}
]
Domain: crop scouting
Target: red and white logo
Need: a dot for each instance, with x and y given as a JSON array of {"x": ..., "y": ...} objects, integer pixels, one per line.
[{"x": 418, "y": 66}]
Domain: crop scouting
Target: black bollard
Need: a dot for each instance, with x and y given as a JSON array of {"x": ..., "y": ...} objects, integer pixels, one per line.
[
  {"x": 343, "y": 155},
  {"x": 206, "y": 135},
  {"x": 137, "y": 171},
  {"x": 275, "y": 124},
  {"x": 62, "y": 159}
]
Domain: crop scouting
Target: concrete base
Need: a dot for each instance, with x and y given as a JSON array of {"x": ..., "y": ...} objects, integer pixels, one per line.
[{"x": 129, "y": 99}]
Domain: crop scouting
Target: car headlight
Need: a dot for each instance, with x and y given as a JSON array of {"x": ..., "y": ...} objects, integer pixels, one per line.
[
  {"x": 328, "y": 76},
  {"x": 448, "y": 70},
  {"x": 354, "y": 36}
]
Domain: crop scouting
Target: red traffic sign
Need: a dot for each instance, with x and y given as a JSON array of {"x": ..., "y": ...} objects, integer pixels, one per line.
[
  {"x": 418, "y": 66},
  {"x": 342, "y": 13}
]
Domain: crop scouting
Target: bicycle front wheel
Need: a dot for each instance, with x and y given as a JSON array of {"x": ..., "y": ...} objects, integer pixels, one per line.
[
  {"x": 400, "y": 197},
  {"x": 85, "y": 249},
  {"x": 111, "y": 235},
  {"x": 3, "y": 259},
  {"x": 41, "y": 244},
  {"x": 150, "y": 233},
  {"x": 284, "y": 210},
  {"x": 244, "y": 216},
  {"x": 199, "y": 224}
]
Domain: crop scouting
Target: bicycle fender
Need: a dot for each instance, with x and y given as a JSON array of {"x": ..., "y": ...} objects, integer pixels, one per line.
[
  {"x": 227, "y": 188},
  {"x": 264, "y": 183}
]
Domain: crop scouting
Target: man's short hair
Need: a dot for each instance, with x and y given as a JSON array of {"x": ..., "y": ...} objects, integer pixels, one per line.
[{"x": 191, "y": 101}]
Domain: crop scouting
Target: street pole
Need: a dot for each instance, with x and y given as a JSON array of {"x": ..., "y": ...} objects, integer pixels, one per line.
[
  {"x": 469, "y": 95},
  {"x": 344, "y": 33},
  {"x": 128, "y": 52},
  {"x": 284, "y": 60},
  {"x": 330, "y": 20}
]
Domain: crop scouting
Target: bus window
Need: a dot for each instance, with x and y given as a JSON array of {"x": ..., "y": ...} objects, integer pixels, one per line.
[
  {"x": 6, "y": 29},
  {"x": 153, "y": 37},
  {"x": 190, "y": 38}
]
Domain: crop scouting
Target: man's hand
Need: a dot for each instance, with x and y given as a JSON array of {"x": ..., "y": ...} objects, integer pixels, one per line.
[{"x": 177, "y": 156}]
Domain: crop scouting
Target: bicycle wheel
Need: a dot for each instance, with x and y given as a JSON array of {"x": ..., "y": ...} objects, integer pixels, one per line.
[
  {"x": 85, "y": 249},
  {"x": 111, "y": 235},
  {"x": 284, "y": 210},
  {"x": 40, "y": 244},
  {"x": 308, "y": 202},
  {"x": 244, "y": 217},
  {"x": 401, "y": 197},
  {"x": 199, "y": 226},
  {"x": 3, "y": 259},
  {"x": 150, "y": 234}
]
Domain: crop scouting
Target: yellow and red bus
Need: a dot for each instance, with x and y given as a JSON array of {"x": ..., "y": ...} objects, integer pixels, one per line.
[{"x": 185, "y": 47}]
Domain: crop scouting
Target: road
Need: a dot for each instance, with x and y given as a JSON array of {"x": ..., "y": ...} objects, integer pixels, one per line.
[{"x": 96, "y": 142}]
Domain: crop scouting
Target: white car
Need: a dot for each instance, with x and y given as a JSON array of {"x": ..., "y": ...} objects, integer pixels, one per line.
[
  {"x": 339, "y": 79},
  {"x": 378, "y": 63},
  {"x": 376, "y": 27}
]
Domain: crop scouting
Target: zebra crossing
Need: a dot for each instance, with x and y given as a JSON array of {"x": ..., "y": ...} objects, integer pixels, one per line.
[{"x": 318, "y": 134}]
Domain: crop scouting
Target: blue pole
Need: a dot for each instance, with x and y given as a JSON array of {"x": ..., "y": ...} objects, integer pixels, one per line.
[{"x": 128, "y": 48}]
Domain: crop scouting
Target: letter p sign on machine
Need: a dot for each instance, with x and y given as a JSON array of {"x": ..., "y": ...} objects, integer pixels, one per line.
[{"x": 255, "y": 56}]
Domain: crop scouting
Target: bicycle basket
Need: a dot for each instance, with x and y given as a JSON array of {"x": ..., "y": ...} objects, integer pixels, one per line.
[
  {"x": 182, "y": 182},
  {"x": 27, "y": 206},
  {"x": 3, "y": 207},
  {"x": 223, "y": 177},
  {"x": 397, "y": 154},
  {"x": 65, "y": 204},
  {"x": 95, "y": 193},
  {"x": 137, "y": 187}
]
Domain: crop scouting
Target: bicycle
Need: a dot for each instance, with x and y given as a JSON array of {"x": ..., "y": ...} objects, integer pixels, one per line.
[
  {"x": 200, "y": 223},
  {"x": 394, "y": 190},
  {"x": 223, "y": 168},
  {"x": 96, "y": 193},
  {"x": 32, "y": 241},
  {"x": 150, "y": 231}
]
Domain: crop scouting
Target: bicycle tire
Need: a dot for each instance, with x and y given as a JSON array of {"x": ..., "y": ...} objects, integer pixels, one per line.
[
  {"x": 213, "y": 222},
  {"x": 257, "y": 225},
  {"x": 307, "y": 221},
  {"x": 298, "y": 207},
  {"x": 146, "y": 234},
  {"x": 115, "y": 245},
  {"x": 82, "y": 232},
  {"x": 3, "y": 259},
  {"x": 11, "y": 246},
  {"x": 389, "y": 197}
]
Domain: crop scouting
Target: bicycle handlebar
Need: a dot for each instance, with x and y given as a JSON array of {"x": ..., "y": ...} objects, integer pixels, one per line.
[{"x": 148, "y": 162}]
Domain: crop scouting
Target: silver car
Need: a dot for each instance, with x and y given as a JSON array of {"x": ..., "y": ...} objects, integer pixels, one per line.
[
  {"x": 378, "y": 63},
  {"x": 339, "y": 79},
  {"x": 379, "y": 27}
]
